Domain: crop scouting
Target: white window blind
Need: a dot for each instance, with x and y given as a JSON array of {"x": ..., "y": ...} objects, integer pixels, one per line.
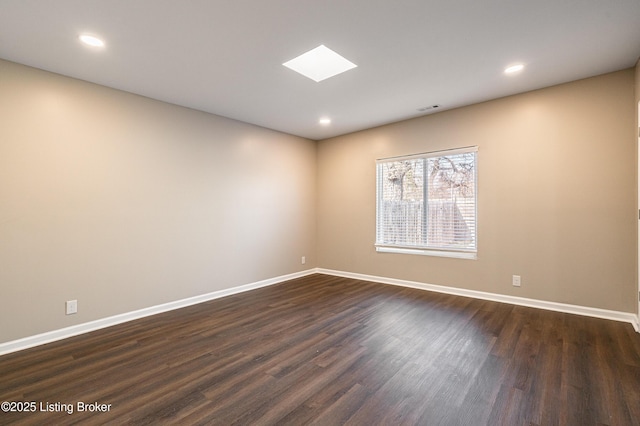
[{"x": 427, "y": 202}]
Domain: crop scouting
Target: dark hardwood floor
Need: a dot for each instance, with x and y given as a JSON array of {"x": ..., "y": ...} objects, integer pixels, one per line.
[{"x": 331, "y": 351}]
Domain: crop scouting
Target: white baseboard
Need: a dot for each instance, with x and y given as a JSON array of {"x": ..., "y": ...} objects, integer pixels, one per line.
[
  {"x": 52, "y": 336},
  {"x": 513, "y": 300}
]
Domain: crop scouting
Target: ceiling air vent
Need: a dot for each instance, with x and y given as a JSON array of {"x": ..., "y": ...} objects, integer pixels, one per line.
[{"x": 428, "y": 108}]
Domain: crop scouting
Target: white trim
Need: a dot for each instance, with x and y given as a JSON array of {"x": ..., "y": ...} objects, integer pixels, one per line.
[
  {"x": 63, "y": 333},
  {"x": 513, "y": 300},
  {"x": 426, "y": 252}
]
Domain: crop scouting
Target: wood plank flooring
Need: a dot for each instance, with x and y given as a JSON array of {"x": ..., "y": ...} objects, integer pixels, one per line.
[{"x": 330, "y": 351}]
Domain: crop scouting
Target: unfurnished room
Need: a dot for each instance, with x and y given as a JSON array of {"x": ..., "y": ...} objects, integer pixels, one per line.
[{"x": 334, "y": 213}]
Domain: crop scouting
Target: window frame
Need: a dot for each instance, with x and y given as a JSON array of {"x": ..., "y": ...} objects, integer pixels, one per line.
[{"x": 428, "y": 250}]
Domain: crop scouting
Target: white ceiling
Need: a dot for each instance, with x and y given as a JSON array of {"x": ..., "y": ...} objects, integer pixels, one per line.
[{"x": 225, "y": 56}]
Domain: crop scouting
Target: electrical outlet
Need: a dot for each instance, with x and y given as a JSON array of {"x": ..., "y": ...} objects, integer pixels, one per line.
[
  {"x": 303, "y": 260},
  {"x": 516, "y": 281},
  {"x": 72, "y": 307}
]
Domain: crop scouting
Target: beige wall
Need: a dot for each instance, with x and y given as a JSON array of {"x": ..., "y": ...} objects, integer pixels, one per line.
[
  {"x": 122, "y": 202},
  {"x": 637, "y": 129},
  {"x": 557, "y": 195},
  {"x": 637, "y": 69}
]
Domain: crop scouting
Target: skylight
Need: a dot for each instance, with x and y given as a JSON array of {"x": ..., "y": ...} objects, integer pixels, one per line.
[{"x": 320, "y": 63}]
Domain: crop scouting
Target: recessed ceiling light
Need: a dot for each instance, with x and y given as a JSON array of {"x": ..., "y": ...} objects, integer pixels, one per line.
[
  {"x": 324, "y": 121},
  {"x": 514, "y": 69},
  {"x": 91, "y": 40},
  {"x": 320, "y": 63}
]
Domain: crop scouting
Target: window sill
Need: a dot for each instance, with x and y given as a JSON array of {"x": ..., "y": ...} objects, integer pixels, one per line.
[{"x": 425, "y": 252}]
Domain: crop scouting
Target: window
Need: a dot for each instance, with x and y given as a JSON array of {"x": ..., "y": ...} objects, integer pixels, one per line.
[{"x": 426, "y": 203}]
